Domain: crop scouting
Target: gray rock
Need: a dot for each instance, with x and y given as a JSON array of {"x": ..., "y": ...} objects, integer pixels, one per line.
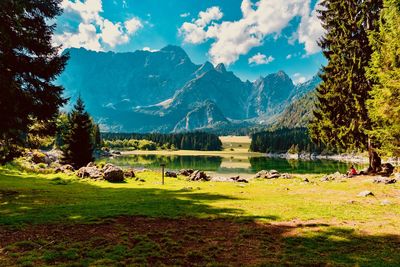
[
  {"x": 171, "y": 174},
  {"x": 385, "y": 202},
  {"x": 383, "y": 180},
  {"x": 89, "y": 172},
  {"x": 186, "y": 172},
  {"x": 91, "y": 164},
  {"x": 273, "y": 174},
  {"x": 113, "y": 174},
  {"x": 129, "y": 173},
  {"x": 199, "y": 176},
  {"x": 286, "y": 176},
  {"x": 365, "y": 194}
]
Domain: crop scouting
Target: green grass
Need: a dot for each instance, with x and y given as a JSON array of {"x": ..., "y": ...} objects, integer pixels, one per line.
[{"x": 286, "y": 220}]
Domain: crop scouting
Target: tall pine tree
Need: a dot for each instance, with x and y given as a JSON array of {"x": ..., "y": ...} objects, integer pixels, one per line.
[
  {"x": 384, "y": 107},
  {"x": 28, "y": 66},
  {"x": 341, "y": 117},
  {"x": 78, "y": 142}
]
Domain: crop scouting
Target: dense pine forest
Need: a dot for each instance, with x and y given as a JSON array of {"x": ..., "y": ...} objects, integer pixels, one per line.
[
  {"x": 185, "y": 141},
  {"x": 284, "y": 140}
]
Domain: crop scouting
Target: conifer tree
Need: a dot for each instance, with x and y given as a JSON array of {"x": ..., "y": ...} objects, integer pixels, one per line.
[
  {"x": 28, "y": 66},
  {"x": 96, "y": 136},
  {"x": 78, "y": 142},
  {"x": 341, "y": 117},
  {"x": 384, "y": 71}
]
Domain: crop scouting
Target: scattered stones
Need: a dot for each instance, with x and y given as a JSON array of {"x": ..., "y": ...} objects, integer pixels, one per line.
[
  {"x": 236, "y": 179},
  {"x": 186, "y": 172},
  {"x": 113, "y": 173},
  {"x": 199, "y": 176},
  {"x": 129, "y": 173},
  {"x": 286, "y": 176},
  {"x": 171, "y": 174},
  {"x": 383, "y": 180},
  {"x": 365, "y": 194},
  {"x": 272, "y": 174},
  {"x": 89, "y": 172},
  {"x": 332, "y": 177}
]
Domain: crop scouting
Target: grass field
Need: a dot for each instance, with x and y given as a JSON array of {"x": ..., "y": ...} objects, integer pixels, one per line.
[{"x": 59, "y": 220}]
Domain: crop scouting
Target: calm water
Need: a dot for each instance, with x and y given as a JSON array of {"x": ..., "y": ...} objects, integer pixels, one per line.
[{"x": 229, "y": 165}]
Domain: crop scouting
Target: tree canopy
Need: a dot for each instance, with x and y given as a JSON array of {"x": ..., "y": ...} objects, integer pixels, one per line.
[{"x": 29, "y": 64}]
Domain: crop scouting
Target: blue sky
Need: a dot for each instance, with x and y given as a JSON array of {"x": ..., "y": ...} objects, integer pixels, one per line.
[{"x": 253, "y": 38}]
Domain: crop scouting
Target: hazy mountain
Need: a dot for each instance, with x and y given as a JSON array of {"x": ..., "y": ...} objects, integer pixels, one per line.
[{"x": 165, "y": 91}]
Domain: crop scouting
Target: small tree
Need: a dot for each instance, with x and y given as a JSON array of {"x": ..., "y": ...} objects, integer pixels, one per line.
[
  {"x": 78, "y": 144},
  {"x": 96, "y": 136}
]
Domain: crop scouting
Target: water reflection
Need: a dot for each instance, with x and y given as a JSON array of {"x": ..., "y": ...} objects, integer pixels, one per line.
[{"x": 229, "y": 165}]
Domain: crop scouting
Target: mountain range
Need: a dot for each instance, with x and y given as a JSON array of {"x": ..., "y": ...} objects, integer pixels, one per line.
[{"x": 165, "y": 91}]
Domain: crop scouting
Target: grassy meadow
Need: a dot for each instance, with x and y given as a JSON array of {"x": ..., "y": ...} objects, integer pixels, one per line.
[{"x": 56, "y": 219}]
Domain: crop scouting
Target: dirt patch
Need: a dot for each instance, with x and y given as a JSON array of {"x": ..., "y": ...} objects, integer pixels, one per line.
[{"x": 186, "y": 241}]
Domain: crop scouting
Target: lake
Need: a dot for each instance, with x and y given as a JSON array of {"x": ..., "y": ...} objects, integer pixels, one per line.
[{"x": 229, "y": 165}]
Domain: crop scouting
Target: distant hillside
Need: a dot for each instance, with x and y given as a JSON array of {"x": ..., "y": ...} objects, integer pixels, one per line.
[{"x": 165, "y": 91}]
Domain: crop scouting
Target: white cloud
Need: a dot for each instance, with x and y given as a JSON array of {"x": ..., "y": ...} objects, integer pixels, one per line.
[
  {"x": 185, "y": 15},
  {"x": 289, "y": 56},
  {"x": 310, "y": 30},
  {"x": 133, "y": 25},
  {"x": 94, "y": 31},
  {"x": 231, "y": 39},
  {"x": 260, "y": 59},
  {"x": 298, "y": 78},
  {"x": 85, "y": 37},
  {"x": 149, "y": 49}
]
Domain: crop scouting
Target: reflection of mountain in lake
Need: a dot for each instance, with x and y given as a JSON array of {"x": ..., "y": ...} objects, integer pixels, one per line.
[{"x": 229, "y": 165}]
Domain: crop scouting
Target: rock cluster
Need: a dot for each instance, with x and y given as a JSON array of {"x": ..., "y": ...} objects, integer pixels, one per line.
[
  {"x": 384, "y": 180},
  {"x": 64, "y": 169},
  {"x": 332, "y": 177},
  {"x": 272, "y": 174},
  {"x": 109, "y": 172},
  {"x": 199, "y": 176}
]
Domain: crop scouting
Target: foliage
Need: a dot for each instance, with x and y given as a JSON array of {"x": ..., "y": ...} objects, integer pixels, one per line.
[
  {"x": 186, "y": 141},
  {"x": 28, "y": 66},
  {"x": 97, "y": 141},
  {"x": 78, "y": 141},
  {"x": 283, "y": 140},
  {"x": 384, "y": 71},
  {"x": 341, "y": 116},
  {"x": 132, "y": 144}
]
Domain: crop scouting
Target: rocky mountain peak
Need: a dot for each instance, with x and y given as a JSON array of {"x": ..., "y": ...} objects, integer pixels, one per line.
[{"x": 220, "y": 68}]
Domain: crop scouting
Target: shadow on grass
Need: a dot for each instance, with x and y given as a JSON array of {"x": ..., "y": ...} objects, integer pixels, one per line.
[
  {"x": 134, "y": 240},
  {"x": 40, "y": 200}
]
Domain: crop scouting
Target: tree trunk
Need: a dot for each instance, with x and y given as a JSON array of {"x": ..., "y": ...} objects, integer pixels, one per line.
[{"x": 374, "y": 159}]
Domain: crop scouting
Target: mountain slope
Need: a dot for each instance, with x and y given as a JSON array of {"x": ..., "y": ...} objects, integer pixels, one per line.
[{"x": 165, "y": 91}]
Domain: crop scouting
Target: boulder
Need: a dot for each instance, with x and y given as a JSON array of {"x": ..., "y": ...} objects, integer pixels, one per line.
[
  {"x": 286, "y": 176},
  {"x": 199, "y": 176},
  {"x": 113, "y": 173},
  {"x": 387, "y": 169},
  {"x": 129, "y": 173},
  {"x": 171, "y": 174},
  {"x": 89, "y": 172},
  {"x": 186, "y": 172},
  {"x": 91, "y": 164},
  {"x": 261, "y": 174},
  {"x": 365, "y": 194},
  {"x": 383, "y": 180}
]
